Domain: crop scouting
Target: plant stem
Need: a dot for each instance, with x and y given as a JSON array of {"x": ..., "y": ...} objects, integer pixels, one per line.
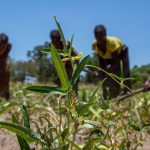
[
  {"x": 74, "y": 133},
  {"x": 60, "y": 114}
]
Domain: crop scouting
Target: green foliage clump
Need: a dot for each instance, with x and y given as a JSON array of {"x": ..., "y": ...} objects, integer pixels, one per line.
[{"x": 140, "y": 74}]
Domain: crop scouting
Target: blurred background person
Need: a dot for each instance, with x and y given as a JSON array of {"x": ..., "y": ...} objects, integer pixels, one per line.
[
  {"x": 58, "y": 43},
  {"x": 111, "y": 51},
  {"x": 5, "y": 47}
]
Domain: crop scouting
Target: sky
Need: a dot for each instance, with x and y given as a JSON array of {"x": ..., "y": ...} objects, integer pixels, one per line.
[{"x": 29, "y": 22}]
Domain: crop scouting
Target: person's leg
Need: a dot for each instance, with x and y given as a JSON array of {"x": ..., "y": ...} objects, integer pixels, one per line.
[
  {"x": 111, "y": 89},
  {"x": 126, "y": 69}
]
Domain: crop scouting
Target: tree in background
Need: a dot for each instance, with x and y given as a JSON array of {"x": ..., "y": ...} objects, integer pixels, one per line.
[
  {"x": 44, "y": 67},
  {"x": 41, "y": 66},
  {"x": 19, "y": 70},
  {"x": 140, "y": 74}
]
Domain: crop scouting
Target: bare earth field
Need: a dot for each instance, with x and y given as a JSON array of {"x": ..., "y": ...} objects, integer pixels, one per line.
[{"x": 8, "y": 140}]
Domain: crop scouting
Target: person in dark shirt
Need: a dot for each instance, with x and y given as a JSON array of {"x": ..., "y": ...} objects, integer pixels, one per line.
[
  {"x": 5, "y": 47},
  {"x": 111, "y": 51},
  {"x": 147, "y": 84},
  {"x": 58, "y": 43}
]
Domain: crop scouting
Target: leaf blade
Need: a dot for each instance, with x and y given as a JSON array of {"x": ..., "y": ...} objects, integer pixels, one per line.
[
  {"x": 60, "y": 52},
  {"x": 60, "y": 68},
  {"x": 78, "y": 70},
  {"x": 23, "y": 132},
  {"x": 61, "y": 32},
  {"x": 22, "y": 142},
  {"x": 7, "y": 106},
  {"x": 47, "y": 89},
  {"x": 25, "y": 116}
]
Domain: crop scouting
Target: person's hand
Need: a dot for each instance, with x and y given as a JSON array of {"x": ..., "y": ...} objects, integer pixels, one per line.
[{"x": 108, "y": 67}]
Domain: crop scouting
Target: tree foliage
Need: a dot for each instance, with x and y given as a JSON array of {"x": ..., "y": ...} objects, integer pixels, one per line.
[
  {"x": 45, "y": 70},
  {"x": 19, "y": 70},
  {"x": 38, "y": 65},
  {"x": 140, "y": 74}
]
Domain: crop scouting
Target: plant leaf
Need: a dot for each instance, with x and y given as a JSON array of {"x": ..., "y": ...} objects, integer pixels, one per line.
[
  {"x": 83, "y": 108},
  {"x": 47, "y": 89},
  {"x": 93, "y": 123},
  {"x": 64, "y": 147},
  {"x": 135, "y": 127},
  {"x": 60, "y": 68},
  {"x": 70, "y": 48},
  {"x": 61, "y": 33},
  {"x": 60, "y": 52},
  {"x": 95, "y": 91},
  {"x": 7, "y": 106},
  {"x": 78, "y": 70},
  {"x": 96, "y": 133},
  {"x": 23, "y": 132},
  {"x": 95, "y": 112},
  {"x": 103, "y": 147},
  {"x": 23, "y": 144},
  {"x": 74, "y": 144},
  {"x": 65, "y": 133},
  {"x": 25, "y": 116},
  {"x": 89, "y": 145}
]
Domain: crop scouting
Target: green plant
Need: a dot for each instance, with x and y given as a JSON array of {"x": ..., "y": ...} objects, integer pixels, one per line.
[{"x": 60, "y": 135}]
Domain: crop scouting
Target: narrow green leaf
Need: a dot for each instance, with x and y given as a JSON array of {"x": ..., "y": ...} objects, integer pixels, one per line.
[
  {"x": 60, "y": 68},
  {"x": 96, "y": 133},
  {"x": 95, "y": 91},
  {"x": 102, "y": 147},
  {"x": 60, "y": 139},
  {"x": 64, "y": 147},
  {"x": 118, "y": 130},
  {"x": 78, "y": 70},
  {"x": 83, "y": 108},
  {"x": 93, "y": 123},
  {"x": 95, "y": 112},
  {"x": 135, "y": 127},
  {"x": 25, "y": 116},
  {"x": 65, "y": 133},
  {"x": 7, "y": 106},
  {"x": 47, "y": 89},
  {"x": 74, "y": 144},
  {"x": 49, "y": 126},
  {"x": 61, "y": 33},
  {"x": 46, "y": 119},
  {"x": 23, "y": 132},
  {"x": 50, "y": 130},
  {"x": 89, "y": 145},
  {"x": 113, "y": 76},
  {"x": 137, "y": 145},
  {"x": 146, "y": 125},
  {"x": 70, "y": 49},
  {"x": 23, "y": 144},
  {"x": 60, "y": 52},
  {"x": 37, "y": 126}
]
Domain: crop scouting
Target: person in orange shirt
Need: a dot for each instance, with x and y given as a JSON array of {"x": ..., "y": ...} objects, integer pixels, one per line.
[{"x": 111, "y": 51}]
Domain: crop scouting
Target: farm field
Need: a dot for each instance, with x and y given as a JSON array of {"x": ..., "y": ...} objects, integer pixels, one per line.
[
  {"x": 84, "y": 85},
  {"x": 116, "y": 126}
]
